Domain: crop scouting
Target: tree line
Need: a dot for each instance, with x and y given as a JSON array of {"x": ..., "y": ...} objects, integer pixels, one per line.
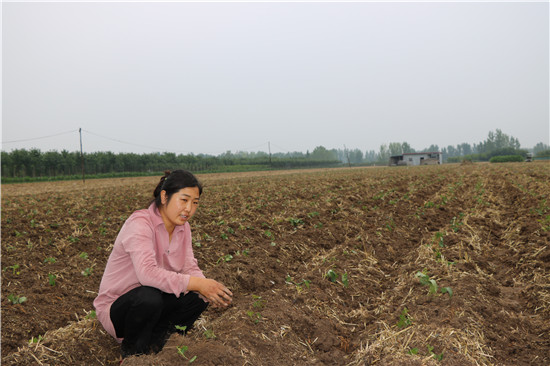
[{"x": 34, "y": 163}]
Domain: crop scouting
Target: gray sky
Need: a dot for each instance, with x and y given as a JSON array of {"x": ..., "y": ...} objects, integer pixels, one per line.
[{"x": 210, "y": 77}]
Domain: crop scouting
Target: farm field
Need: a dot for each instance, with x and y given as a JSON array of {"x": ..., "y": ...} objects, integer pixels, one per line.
[{"x": 431, "y": 265}]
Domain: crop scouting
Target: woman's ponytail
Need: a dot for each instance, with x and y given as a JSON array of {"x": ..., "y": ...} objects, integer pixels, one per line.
[{"x": 156, "y": 192}]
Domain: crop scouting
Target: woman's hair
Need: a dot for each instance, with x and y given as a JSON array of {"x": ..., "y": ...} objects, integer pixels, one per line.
[{"x": 172, "y": 182}]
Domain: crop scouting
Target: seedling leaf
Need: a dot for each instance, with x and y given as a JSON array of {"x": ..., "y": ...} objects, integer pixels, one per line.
[{"x": 447, "y": 290}]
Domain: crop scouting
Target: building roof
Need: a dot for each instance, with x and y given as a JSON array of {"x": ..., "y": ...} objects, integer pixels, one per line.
[{"x": 423, "y": 153}]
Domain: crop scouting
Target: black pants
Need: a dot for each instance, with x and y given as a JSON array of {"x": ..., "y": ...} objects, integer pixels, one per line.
[{"x": 145, "y": 317}]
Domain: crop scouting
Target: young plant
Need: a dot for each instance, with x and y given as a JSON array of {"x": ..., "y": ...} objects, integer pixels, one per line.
[
  {"x": 404, "y": 319},
  {"x": 296, "y": 222},
  {"x": 298, "y": 285},
  {"x": 181, "y": 328},
  {"x": 333, "y": 277},
  {"x": 254, "y": 317},
  {"x": 14, "y": 269},
  {"x": 447, "y": 290},
  {"x": 35, "y": 339},
  {"x": 258, "y": 301},
  {"x": 51, "y": 279},
  {"x": 209, "y": 334},
  {"x": 225, "y": 258},
  {"x": 438, "y": 357},
  {"x": 427, "y": 281},
  {"x": 269, "y": 234},
  {"x": 438, "y": 238},
  {"x": 14, "y": 299}
]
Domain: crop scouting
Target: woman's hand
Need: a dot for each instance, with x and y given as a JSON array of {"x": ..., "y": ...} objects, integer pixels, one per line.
[{"x": 217, "y": 294}]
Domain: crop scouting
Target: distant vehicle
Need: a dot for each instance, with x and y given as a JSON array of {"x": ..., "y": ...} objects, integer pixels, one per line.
[{"x": 529, "y": 157}]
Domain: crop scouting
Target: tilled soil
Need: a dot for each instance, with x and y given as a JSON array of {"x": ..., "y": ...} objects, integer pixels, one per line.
[{"x": 428, "y": 265}]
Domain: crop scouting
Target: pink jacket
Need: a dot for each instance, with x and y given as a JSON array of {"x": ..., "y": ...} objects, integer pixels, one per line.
[{"x": 143, "y": 256}]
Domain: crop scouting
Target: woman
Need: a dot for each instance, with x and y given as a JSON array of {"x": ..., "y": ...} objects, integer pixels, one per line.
[{"x": 152, "y": 282}]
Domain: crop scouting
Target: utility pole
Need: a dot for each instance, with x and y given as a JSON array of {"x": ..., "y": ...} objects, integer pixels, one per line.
[
  {"x": 81, "y": 155},
  {"x": 347, "y": 155}
]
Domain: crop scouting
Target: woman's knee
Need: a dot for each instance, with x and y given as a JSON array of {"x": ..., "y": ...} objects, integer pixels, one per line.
[{"x": 148, "y": 298}]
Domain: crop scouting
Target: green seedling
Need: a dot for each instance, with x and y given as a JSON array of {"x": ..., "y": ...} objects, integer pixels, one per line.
[
  {"x": 181, "y": 328},
  {"x": 209, "y": 334},
  {"x": 254, "y": 317},
  {"x": 14, "y": 269},
  {"x": 244, "y": 252},
  {"x": 269, "y": 234},
  {"x": 258, "y": 301},
  {"x": 296, "y": 222},
  {"x": 438, "y": 238},
  {"x": 447, "y": 290},
  {"x": 51, "y": 279},
  {"x": 455, "y": 223},
  {"x": 404, "y": 319},
  {"x": 390, "y": 225},
  {"x": 438, "y": 357},
  {"x": 413, "y": 351},
  {"x": 225, "y": 258},
  {"x": 91, "y": 315},
  {"x": 87, "y": 271},
  {"x": 49, "y": 260},
  {"x": 83, "y": 255},
  {"x": 331, "y": 275},
  {"x": 345, "y": 279},
  {"x": 14, "y": 299},
  {"x": 289, "y": 279},
  {"x": 427, "y": 281},
  {"x": 181, "y": 351},
  {"x": 35, "y": 339}
]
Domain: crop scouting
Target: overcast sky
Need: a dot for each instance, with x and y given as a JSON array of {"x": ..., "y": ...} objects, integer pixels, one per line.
[{"x": 210, "y": 77}]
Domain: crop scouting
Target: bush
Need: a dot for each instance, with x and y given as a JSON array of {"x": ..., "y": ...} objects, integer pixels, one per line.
[
  {"x": 543, "y": 154},
  {"x": 507, "y": 159}
]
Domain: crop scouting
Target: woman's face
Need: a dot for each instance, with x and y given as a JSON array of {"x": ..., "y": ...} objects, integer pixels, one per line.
[{"x": 180, "y": 208}]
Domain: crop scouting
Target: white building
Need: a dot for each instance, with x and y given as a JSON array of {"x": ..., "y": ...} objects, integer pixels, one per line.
[{"x": 423, "y": 158}]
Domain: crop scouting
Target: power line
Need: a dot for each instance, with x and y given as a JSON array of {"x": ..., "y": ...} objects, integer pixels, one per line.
[
  {"x": 128, "y": 143},
  {"x": 131, "y": 143},
  {"x": 39, "y": 138}
]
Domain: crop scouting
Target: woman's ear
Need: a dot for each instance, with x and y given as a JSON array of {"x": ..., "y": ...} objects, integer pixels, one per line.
[{"x": 163, "y": 197}]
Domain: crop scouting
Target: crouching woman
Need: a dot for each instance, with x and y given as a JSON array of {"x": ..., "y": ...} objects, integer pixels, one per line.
[{"x": 152, "y": 282}]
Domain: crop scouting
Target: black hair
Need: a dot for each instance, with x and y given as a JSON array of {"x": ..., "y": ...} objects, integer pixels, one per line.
[{"x": 172, "y": 182}]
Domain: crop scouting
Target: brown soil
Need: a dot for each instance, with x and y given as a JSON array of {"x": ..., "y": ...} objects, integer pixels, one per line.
[{"x": 481, "y": 230}]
